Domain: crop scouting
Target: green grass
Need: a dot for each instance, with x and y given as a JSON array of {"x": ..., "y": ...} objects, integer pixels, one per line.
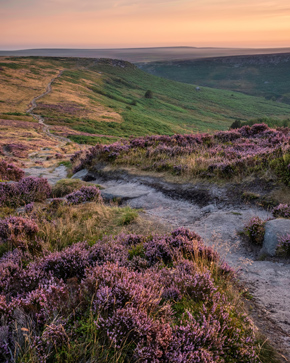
[
  {"x": 175, "y": 107},
  {"x": 258, "y": 76}
]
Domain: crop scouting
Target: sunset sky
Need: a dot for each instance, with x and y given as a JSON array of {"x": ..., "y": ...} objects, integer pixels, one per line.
[{"x": 143, "y": 23}]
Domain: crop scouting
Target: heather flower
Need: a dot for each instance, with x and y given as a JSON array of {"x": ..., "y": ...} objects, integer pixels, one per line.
[
  {"x": 255, "y": 229},
  {"x": 284, "y": 243},
  {"x": 26, "y": 191},
  {"x": 84, "y": 194},
  {"x": 282, "y": 210},
  {"x": 29, "y": 207},
  {"x": 10, "y": 171}
]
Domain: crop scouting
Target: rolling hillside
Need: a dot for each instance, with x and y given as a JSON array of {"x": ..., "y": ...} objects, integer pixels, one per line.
[
  {"x": 103, "y": 100},
  {"x": 258, "y": 75}
]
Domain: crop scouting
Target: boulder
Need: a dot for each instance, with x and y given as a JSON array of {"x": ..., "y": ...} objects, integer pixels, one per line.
[
  {"x": 80, "y": 174},
  {"x": 273, "y": 230}
]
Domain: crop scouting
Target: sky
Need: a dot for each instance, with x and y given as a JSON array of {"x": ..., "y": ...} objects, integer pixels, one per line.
[{"x": 144, "y": 23}]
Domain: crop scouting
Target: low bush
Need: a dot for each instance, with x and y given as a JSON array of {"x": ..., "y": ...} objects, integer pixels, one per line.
[
  {"x": 67, "y": 186},
  {"x": 223, "y": 155},
  {"x": 282, "y": 211},
  {"x": 26, "y": 191},
  {"x": 17, "y": 232},
  {"x": 284, "y": 244},
  {"x": 84, "y": 194},
  {"x": 102, "y": 303},
  {"x": 10, "y": 171},
  {"x": 255, "y": 229}
]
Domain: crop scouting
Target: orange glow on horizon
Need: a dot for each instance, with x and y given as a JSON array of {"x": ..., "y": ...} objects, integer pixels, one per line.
[{"x": 135, "y": 23}]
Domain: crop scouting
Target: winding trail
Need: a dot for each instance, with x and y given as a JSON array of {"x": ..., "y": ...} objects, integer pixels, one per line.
[{"x": 40, "y": 119}]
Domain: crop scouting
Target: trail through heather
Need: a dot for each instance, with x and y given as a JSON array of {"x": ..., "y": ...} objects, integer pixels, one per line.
[{"x": 268, "y": 281}]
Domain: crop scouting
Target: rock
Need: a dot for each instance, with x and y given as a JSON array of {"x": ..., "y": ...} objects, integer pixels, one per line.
[
  {"x": 80, "y": 174},
  {"x": 208, "y": 209},
  {"x": 273, "y": 230},
  {"x": 124, "y": 192}
]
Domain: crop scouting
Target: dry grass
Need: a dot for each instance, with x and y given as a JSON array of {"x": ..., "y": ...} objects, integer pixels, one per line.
[
  {"x": 19, "y": 86},
  {"x": 90, "y": 222},
  {"x": 64, "y": 92}
]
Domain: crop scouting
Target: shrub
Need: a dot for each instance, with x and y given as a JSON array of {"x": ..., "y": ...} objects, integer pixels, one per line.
[
  {"x": 18, "y": 232},
  {"x": 12, "y": 227},
  {"x": 282, "y": 210},
  {"x": 255, "y": 229},
  {"x": 148, "y": 94},
  {"x": 26, "y": 191},
  {"x": 96, "y": 298},
  {"x": 236, "y": 124},
  {"x": 84, "y": 194},
  {"x": 10, "y": 171},
  {"x": 284, "y": 244},
  {"x": 67, "y": 186}
]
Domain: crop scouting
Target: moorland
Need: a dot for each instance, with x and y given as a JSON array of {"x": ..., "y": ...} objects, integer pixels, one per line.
[{"x": 78, "y": 255}]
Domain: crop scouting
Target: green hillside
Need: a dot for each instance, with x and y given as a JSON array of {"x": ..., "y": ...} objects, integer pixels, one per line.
[
  {"x": 261, "y": 75},
  {"x": 102, "y": 100}
]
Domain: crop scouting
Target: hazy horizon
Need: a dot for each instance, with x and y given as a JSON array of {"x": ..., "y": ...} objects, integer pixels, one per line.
[{"x": 119, "y": 24}]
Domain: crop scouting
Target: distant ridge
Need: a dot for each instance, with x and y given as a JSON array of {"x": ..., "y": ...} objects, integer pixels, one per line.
[{"x": 136, "y": 55}]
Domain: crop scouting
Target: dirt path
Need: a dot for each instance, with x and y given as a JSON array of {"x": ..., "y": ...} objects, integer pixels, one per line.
[
  {"x": 219, "y": 223},
  {"x": 40, "y": 119}
]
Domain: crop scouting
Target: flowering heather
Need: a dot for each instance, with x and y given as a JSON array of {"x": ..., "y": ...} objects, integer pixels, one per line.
[
  {"x": 10, "y": 171},
  {"x": 16, "y": 226},
  {"x": 282, "y": 210},
  {"x": 284, "y": 244},
  {"x": 84, "y": 194},
  {"x": 29, "y": 207},
  {"x": 255, "y": 229},
  {"x": 26, "y": 191},
  {"x": 121, "y": 295},
  {"x": 223, "y": 154}
]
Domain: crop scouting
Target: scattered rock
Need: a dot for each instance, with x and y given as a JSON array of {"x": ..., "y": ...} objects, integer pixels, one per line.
[
  {"x": 273, "y": 230},
  {"x": 208, "y": 209},
  {"x": 80, "y": 174}
]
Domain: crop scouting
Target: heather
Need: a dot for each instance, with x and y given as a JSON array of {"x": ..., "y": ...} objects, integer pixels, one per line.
[
  {"x": 26, "y": 191},
  {"x": 282, "y": 211},
  {"x": 224, "y": 155},
  {"x": 67, "y": 186},
  {"x": 84, "y": 194},
  {"x": 129, "y": 298},
  {"x": 255, "y": 229},
  {"x": 9, "y": 171},
  {"x": 284, "y": 244}
]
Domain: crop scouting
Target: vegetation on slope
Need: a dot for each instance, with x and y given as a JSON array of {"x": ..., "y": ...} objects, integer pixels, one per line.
[
  {"x": 95, "y": 100},
  {"x": 225, "y": 155},
  {"x": 258, "y": 75}
]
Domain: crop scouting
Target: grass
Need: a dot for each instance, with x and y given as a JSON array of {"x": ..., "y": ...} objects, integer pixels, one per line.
[
  {"x": 107, "y": 98},
  {"x": 87, "y": 222},
  {"x": 257, "y": 76},
  {"x": 67, "y": 186}
]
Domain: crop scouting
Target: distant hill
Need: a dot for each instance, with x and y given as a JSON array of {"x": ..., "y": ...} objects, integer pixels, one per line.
[
  {"x": 258, "y": 75},
  {"x": 103, "y": 99},
  {"x": 144, "y": 54}
]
